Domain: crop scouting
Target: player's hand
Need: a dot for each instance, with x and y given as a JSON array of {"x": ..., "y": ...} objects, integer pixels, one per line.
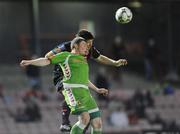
[
  {"x": 24, "y": 63},
  {"x": 102, "y": 91},
  {"x": 121, "y": 62}
]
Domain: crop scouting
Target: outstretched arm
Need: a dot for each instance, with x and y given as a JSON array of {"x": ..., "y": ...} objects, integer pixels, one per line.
[
  {"x": 98, "y": 90},
  {"x": 35, "y": 62},
  {"x": 105, "y": 60}
]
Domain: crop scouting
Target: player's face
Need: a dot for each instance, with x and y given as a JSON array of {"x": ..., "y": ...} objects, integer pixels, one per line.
[
  {"x": 89, "y": 43},
  {"x": 83, "y": 48}
]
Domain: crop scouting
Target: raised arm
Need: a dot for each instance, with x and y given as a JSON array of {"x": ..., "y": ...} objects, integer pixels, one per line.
[
  {"x": 52, "y": 53},
  {"x": 96, "y": 89},
  {"x": 36, "y": 62},
  {"x": 105, "y": 60}
]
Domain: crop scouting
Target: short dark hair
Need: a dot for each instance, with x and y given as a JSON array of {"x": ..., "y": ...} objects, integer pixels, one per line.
[
  {"x": 85, "y": 34},
  {"x": 76, "y": 40}
]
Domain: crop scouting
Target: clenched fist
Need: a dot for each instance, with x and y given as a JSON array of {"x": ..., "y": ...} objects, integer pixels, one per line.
[
  {"x": 102, "y": 91},
  {"x": 120, "y": 62},
  {"x": 24, "y": 63}
]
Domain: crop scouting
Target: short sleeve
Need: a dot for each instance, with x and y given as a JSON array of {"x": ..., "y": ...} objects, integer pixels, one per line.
[{"x": 94, "y": 53}]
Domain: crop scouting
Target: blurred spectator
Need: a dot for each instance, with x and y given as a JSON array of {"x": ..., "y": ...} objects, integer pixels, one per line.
[
  {"x": 33, "y": 74},
  {"x": 173, "y": 126},
  {"x": 131, "y": 110},
  {"x": 5, "y": 98},
  {"x": 1, "y": 91},
  {"x": 119, "y": 118},
  {"x": 149, "y": 99},
  {"x": 37, "y": 94},
  {"x": 30, "y": 113},
  {"x": 132, "y": 117},
  {"x": 139, "y": 103},
  {"x": 101, "y": 81},
  {"x": 156, "y": 120},
  {"x": 168, "y": 89}
]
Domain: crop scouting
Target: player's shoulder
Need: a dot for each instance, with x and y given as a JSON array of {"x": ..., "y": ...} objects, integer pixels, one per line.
[
  {"x": 93, "y": 48},
  {"x": 94, "y": 53},
  {"x": 65, "y": 53}
]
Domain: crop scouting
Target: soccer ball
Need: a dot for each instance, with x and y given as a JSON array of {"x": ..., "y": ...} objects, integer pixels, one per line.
[{"x": 123, "y": 15}]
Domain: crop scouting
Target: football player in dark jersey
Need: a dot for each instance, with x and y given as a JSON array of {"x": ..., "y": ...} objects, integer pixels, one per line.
[{"x": 58, "y": 74}]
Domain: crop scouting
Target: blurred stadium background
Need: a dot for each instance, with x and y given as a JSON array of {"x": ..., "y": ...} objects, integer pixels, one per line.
[{"x": 144, "y": 95}]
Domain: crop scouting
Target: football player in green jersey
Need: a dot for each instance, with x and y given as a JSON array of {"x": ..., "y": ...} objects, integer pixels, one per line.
[{"x": 76, "y": 91}]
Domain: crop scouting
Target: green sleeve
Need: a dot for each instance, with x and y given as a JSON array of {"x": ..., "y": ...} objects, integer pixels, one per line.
[{"x": 59, "y": 58}]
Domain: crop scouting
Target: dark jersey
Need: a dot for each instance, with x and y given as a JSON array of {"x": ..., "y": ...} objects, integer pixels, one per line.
[{"x": 66, "y": 46}]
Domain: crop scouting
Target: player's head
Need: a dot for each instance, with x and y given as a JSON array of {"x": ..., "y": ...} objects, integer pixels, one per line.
[
  {"x": 79, "y": 45},
  {"x": 88, "y": 36}
]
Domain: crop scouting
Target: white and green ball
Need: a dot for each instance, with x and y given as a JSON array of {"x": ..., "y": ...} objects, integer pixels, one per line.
[{"x": 123, "y": 15}]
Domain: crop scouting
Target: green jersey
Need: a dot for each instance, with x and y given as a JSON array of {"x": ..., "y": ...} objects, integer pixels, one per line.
[
  {"x": 75, "y": 81},
  {"x": 75, "y": 67}
]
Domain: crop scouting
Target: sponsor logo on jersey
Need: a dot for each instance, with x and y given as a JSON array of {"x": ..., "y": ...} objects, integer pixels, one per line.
[
  {"x": 67, "y": 71},
  {"x": 71, "y": 97}
]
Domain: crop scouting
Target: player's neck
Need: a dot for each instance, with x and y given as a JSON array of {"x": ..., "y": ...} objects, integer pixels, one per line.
[{"x": 74, "y": 51}]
